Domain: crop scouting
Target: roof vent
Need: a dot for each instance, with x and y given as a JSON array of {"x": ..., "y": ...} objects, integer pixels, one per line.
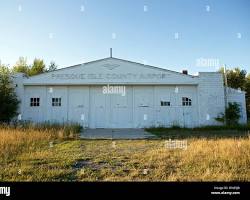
[
  {"x": 110, "y": 52},
  {"x": 185, "y": 72}
]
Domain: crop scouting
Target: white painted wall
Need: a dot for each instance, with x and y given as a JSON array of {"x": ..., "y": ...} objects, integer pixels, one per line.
[{"x": 88, "y": 106}]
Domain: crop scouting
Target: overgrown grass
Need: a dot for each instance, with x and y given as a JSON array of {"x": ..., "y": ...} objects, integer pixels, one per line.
[
  {"x": 66, "y": 130},
  {"x": 16, "y": 139},
  {"x": 38, "y": 155}
]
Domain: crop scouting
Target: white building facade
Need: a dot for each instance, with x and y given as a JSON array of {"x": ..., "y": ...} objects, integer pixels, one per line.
[{"x": 115, "y": 93}]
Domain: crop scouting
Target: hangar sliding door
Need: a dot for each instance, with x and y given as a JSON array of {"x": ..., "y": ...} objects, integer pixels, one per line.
[
  {"x": 142, "y": 106},
  {"x": 163, "y": 105},
  {"x": 57, "y": 104},
  {"x": 121, "y": 109},
  {"x": 110, "y": 110},
  {"x": 78, "y": 104},
  {"x": 99, "y": 108},
  {"x": 144, "y": 115}
]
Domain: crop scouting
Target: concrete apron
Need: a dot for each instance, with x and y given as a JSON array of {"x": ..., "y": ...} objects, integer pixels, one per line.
[{"x": 125, "y": 133}]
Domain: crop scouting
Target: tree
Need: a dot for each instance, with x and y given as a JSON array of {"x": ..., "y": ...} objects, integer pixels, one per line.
[
  {"x": 52, "y": 66},
  {"x": 247, "y": 89},
  {"x": 21, "y": 66},
  {"x": 8, "y": 99},
  {"x": 37, "y": 67},
  {"x": 236, "y": 78}
]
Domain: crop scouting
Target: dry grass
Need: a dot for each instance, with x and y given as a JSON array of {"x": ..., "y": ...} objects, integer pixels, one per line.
[
  {"x": 41, "y": 156},
  {"x": 14, "y": 141}
]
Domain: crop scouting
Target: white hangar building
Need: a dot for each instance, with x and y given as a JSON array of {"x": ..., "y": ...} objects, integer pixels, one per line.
[{"x": 153, "y": 96}]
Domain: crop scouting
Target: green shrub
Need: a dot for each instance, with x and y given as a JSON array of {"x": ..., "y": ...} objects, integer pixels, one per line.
[
  {"x": 232, "y": 113},
  {"x": 231, "y": 116}
]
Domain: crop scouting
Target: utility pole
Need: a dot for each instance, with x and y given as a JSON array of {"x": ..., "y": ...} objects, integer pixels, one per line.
[
  {"x": 225, "y": 78},
  {"x": 225, "y": 92}
]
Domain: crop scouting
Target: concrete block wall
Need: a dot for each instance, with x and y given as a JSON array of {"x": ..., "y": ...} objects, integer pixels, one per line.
[{"x": 211, "y": 98}]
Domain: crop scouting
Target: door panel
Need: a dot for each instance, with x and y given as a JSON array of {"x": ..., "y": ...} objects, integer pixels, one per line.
[
  {"x": 79, "y": 105},
  {"x": 144, "y": 115},
  {"x": 121, "y": 109},
  {"x": 57, "y": 114},
  {"x": 98, "y": 113}
]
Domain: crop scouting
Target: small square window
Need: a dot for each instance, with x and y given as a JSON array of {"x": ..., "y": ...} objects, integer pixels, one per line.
[
  {"x": 56, "y": 102},
  {"x": 34, "y": 102},
  {"x": 186, "y": 101}
]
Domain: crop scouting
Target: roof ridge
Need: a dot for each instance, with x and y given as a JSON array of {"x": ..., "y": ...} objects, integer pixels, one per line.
[{"x": 149, "y": 66}]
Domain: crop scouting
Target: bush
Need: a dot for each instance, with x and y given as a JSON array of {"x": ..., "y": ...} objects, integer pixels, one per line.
[
  {"x": 232, "y": 113},
  {"x": 231, "y": 116}
]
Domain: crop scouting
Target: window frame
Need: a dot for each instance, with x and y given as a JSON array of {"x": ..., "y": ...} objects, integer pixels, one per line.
[
  {"x": 34, "y": 101},
  {"x": 165, "y": 103},
  {"x": 56, "y": 101},
  {"x": 186, "y": 101}
]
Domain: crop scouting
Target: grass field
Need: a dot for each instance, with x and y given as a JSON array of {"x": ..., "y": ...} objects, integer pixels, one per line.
[
  {"x": 208, "y": 132},
  {"x": 45, "y": 155}
]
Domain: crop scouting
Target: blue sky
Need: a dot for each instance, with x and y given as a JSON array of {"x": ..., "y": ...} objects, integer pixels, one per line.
[{"x": 172, "y": 34}]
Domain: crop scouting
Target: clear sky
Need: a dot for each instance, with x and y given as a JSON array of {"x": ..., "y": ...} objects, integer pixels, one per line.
[{"x": 172, "y": 34}]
